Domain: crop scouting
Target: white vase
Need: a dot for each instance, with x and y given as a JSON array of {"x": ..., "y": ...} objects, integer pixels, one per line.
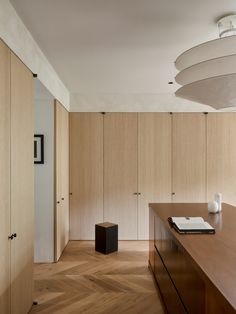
[
  {"x": 218, "y": 199},
  {"x": 213, "y": 207}
]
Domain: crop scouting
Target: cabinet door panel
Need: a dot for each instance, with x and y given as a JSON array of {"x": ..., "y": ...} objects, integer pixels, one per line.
[
  {"x": 58, "y": 185},
  {"x": 61, "y": 179},
  {"x": 154, "y": 169},
  {"x": 65, "y": 174},
  {"x": 22, "y": 187},
  {"x": 86, "y": 174},
  {"x": 4, "y": 178},
  {"x": 189, "y": 157},
  {"x": 221, "y": 156},
  {"x": 120, "y": 172}
]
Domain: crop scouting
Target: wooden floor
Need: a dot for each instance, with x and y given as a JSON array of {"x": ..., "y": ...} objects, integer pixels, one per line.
[{"x": 85, "y": 281}]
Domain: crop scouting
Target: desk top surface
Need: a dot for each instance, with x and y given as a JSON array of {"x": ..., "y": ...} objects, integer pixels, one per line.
[{"x": 215, "y": 254}]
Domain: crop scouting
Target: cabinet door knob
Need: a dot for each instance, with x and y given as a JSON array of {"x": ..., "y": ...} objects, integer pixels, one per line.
[
  {"x": 14, "y": 235},
  {"x": 173, "y": 193},
  {"x": 58, "y": 202},
  {"x": 135, "y": 193},
  {"x": 62, "y": 198},
  {"x": 11, "y": 237},
  {"x": 70, "y": 193}
]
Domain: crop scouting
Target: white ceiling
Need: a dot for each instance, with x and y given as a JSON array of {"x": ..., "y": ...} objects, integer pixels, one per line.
[{"x": 120, "y": 46}]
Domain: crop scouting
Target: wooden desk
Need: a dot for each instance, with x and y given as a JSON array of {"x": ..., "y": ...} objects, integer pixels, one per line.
[{"x": 194, "y": 273}]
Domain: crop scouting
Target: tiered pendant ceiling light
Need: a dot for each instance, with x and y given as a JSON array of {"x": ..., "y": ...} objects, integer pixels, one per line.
[{"x": 208, "y": 71}]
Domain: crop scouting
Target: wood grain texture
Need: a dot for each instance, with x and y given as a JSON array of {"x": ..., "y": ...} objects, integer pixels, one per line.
[
  {"x": 85, "y": 281},
  {"x": 212, "y": 256},
  {"x": 4, "y": 178},
  {"x": 221, "y": 156},
  {"x": 154, "y": 164},
  {"x": 189, "y": 157},
  {"x": 58, "y": 183},
  {"x": 61, "y": 179},
  {"x": 65, "y": 174},
  {"x": 22, "y": 186},
  {"x": 169, "y": 293},
  {"x": 121, "y": 172},
  {"x": 86, "y": 174},
  {"x": 187, "y": 281}
]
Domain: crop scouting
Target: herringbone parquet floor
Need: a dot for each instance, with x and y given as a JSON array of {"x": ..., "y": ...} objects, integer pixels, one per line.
[{"x": 85, "y": 281}]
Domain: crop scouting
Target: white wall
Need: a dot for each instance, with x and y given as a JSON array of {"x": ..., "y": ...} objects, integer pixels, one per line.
[
  {"x": 138, "y": 102},
  {"x": 44, "y": 177},
  {"x": 14, "y": 33}
]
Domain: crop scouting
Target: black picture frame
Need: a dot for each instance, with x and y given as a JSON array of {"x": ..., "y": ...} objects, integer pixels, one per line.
[{"x": 39, "y": 149}]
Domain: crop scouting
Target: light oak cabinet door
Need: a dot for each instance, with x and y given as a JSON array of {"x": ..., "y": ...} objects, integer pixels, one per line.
[
  {"x": 65, "y": 173},
  {"x": 154, "y": 165},
  {"x": 189, "y": 157},
  {"x": 86, "y": 174},
  {"x": 61, "y": 179},
  {"x": 221, "y": 156},
  {"x": 22, "y": 187},
  {"x": 58, "y": 184},
  {"x": 4, "y": 178},
  {"x": 121, "y": 172}
]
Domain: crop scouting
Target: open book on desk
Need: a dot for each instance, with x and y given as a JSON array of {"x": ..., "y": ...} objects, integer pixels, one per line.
[{"x": 190, "y": 225}]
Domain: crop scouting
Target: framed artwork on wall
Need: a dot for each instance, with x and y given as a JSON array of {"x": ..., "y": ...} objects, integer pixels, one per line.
[{"x": 39, "y": 149}]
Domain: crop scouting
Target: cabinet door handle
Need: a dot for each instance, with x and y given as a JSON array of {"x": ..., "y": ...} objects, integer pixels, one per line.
[
  {"x": 12, "y": 236},
  {"x": 173, "y": 193},
  {"x": 70, "y": 193},
  {"x": 135, "y": 193},
  {"x": 62, "y": 198},
  {"x": 139, "y": 193}
]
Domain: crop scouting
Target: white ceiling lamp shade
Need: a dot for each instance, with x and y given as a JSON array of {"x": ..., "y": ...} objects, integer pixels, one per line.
[{"x": 208, "y": 71}]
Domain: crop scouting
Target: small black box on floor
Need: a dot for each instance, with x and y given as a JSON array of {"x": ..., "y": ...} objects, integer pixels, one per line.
[{"x": 106, "y": 237}]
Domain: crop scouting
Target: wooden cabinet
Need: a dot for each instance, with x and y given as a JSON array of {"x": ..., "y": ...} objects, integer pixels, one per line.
[
  {"x": 61, "y": 179},
  {"x": 65, "y": 173},
  {"x": 120, "y": 172},
  {"x": 22, "y": 186},
  {"x": 189, "y": 157},
  {"x": 181, "y": 269},
  {"x": 154, "y": 164},
  {"x": 120, "y": 162},
  {"x": 188, "y": 283},
  {"x": 135, "y": 151},
  {"x": 86, "y": 174},
  {"x": 17, "y": 184},
  {"x": 4, "y": 178},
  {"x": 221, "y": 156},
  {"x": 169, "y": 294}
]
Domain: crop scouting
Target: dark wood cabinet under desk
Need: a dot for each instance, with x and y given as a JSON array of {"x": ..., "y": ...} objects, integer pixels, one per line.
[{"x": 195, "y": 273}]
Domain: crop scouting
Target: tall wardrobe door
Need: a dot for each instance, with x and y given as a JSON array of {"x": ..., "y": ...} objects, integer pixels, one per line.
[
  {"x": 221, "y": 156},
  {"x": 61, "y": 179},
  {"x": 65, "y": 173},
  {"x": 189, "y": 157},
  {"x": 121, "y": 172},
  {"x": 86, "y": 174},
  {"x": 4, "y": 178},
  {"x": 154, "y": 164},
  {"x": 22, "y": 187},
  {"x": 58, "y": 181}
]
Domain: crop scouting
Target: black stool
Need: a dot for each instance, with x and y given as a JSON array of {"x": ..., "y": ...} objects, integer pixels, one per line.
[{"x": 106, "y": 237}]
